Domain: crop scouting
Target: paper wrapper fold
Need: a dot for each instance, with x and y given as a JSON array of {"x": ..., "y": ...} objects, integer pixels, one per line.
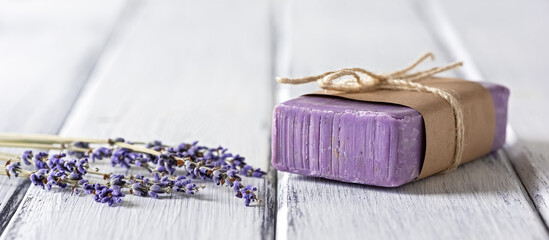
[{"x": 440, "y": 131}]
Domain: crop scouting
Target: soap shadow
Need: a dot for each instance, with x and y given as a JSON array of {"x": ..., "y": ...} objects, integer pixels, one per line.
[{"x": 490, "y": 174}]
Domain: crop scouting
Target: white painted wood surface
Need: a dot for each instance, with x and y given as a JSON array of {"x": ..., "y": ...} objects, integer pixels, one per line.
[
  {"x": 482, "y": 199},
  {"x": 47, "y": 50},
  {"x": 186, "y": 70},
  {"x": 182, "y": 71},
  {"x": 514, "y": 51}
]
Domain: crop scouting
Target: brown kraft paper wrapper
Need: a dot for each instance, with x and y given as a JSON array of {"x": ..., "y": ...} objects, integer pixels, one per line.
[{"x": 440, "y": 132}]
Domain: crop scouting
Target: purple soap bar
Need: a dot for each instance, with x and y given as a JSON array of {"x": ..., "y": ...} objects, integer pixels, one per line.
[{"x": 361, "y": 142}]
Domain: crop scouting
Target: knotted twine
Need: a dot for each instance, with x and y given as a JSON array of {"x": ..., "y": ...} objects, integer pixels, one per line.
[{"x": 358, "y": 80}]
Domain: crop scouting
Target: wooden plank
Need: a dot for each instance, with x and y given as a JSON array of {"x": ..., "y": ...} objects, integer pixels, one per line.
[
  {"x": 182, "y": 71},
  {"x": 514, "y": 52},
  {"x": 47, "y": 50},
  {"x": 482, "y": 199}
]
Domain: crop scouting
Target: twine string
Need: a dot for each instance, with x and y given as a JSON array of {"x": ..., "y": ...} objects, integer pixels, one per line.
[{"x": 354, "y": 80}]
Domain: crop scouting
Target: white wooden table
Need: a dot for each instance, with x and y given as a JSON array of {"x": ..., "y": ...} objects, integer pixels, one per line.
[{"x": 204, "y": 70}]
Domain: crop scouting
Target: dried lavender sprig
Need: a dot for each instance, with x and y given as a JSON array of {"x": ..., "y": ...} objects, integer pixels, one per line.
[
  {"x": 202, "y": 169},
  {"x": 45, "y": 138},
  {"x": 209, "y": 156},
  {"x": 57, "y": 176},
  {"x": 81, "y": 149},
  {"x": 43, "y": 146},
  {"x": 25, "y": 157},
  {"x": 142, "y": 186},
  {"x": 81, "y": 146},
  {"x": 245, "y": 169},
  {"x": 28, "y": 155},
  {"x": 63, "y": 173},
  {"x": 166, "y": 162},
  {"x": 219, "y": 176},
  {"x": 15, "y": 140},
  {"x": 169, "y": 158},
  {"x": 46, "y": 178},
  {"x": 14, "y": 168},
  {"x": 82, "y": 167},
  {"x": 42, "y": 161},
  {"x": 129, "y": 154}
]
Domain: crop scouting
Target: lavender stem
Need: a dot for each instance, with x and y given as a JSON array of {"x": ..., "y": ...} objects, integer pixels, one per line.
[
  {"x": 42, "y": 146},
  {"x": 45, "y": 138}
]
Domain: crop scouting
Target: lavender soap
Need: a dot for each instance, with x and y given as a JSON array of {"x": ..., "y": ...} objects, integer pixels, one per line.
[{"x": 361, "y": 142}]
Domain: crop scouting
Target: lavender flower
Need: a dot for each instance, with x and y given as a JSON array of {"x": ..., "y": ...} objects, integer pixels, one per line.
[
  {"x": 86, "y": 186},
  {"x": 166, "y": 163},
  {"x": 79, "y": 154},
  {"x": 56, "y": 177},
  {"x": 245, "y": 192},
  {"x": 39, "y": 177},
  {"x": 104, "y": 194},
  {"x": 221, "y": 176},
  {"x": 40, "y": 160},
  {"x": 138, "y": 188},
  {"x": 244, "y": 171},
  {"x": 75, "y": 175},
  {"x": 14, "y": 167},
  {"x": 155, "y": 145},
  {"x": 217, "y": 177},
  {"x": 27, "y": 157},
  {"x": 248, "y": 194},
  {"x": 162, "y": 185},
  {"x": 190, "y": 188},
  {"x": 117, "y": 180},
  {"x": 56, "y": 162},
  {"x": 211, "y": 157},
  {"x": 81, "y": 166},
  {"x": 101, "y": 153},
  {"x": 120, "y": 156}
]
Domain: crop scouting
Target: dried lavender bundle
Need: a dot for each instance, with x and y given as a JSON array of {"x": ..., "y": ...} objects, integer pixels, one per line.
[
  {"x": 58, "y": 170},
  {"x": 214, "y": 164}
]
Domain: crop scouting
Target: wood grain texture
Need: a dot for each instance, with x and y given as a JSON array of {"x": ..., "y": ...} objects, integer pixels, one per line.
[
  {"x": 513, "y": 50},
  {"x": 47, "y": 50},
  {"x": 182, "y": 71},
  {"x": 483, "y": 199}
]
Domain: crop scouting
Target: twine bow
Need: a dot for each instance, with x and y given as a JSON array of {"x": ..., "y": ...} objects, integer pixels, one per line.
[{"x": 352, "y": 80}]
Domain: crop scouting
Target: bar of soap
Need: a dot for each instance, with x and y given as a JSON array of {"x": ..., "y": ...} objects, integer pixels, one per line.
[{"x": 360, "y": 142}]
